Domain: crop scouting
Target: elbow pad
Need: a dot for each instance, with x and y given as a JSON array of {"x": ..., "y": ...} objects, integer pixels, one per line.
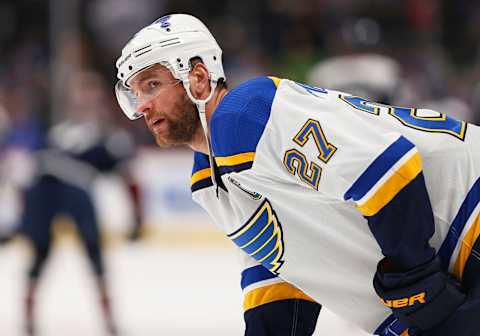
[{"x": 422, "y": 297}]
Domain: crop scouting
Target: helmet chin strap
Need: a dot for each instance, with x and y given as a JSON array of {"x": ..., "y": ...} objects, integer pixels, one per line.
[{"x": 201, "y": 104}]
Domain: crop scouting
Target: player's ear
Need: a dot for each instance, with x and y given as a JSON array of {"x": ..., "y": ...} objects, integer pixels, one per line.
[{"x": 199, "y": 81}]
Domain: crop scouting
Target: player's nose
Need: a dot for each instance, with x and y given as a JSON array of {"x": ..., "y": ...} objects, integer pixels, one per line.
[{"x": 145, "y": 107}]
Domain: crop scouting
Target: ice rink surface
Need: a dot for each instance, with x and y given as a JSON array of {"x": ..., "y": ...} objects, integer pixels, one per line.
[{"x": 156, "y": 290}]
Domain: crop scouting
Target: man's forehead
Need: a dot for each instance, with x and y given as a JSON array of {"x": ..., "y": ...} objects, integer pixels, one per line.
[{"x": 156, "y": 70}]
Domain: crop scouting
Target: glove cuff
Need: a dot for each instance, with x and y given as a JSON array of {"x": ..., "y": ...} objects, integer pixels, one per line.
[{"x": 420, "y": 298}]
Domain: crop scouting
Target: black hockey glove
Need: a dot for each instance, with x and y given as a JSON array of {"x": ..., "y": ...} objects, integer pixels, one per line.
[
  {"x": 465, "y": 321},
  {"x": 420, "y": 298}
]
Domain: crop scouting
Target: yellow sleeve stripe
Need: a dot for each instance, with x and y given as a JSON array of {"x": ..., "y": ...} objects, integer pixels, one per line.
[
  {"x": 275, "y": 80},
  {"x": 201, "y": 175},
  {"x": 466, "y": 248},
  {"x": 272, "y": 293},
  {"x": 235, "y": 159},
  {"x": 399, "y": 179}
]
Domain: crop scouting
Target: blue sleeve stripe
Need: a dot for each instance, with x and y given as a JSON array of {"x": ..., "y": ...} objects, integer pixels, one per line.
[
  {"x": 391, "y": 184},
  {"x": 454, "y": 233},
  {"x": 378, "y": 168},
  {"x": 255, "y": 274}
]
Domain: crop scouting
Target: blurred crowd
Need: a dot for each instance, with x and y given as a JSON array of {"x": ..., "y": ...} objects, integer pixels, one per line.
[{"x": 434, "y": 42}]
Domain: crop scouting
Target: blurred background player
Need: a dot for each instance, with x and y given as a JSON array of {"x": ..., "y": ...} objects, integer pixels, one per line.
[{"x": 77, "y": 149}]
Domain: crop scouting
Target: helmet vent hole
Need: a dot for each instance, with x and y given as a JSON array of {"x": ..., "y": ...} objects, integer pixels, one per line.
[
  {"x": 121, "y": 75},
  {"x": 169, "y": 42},
  {"x": 179, "y": 60},
  {"x": 214, "y": 58},
  {"x": 130, "y": 67},
  {"x": 168, "y": 29},
  {"x": 143, "y": 52},
  {"x": 140, "y": 49},
  {"x": 181, "y": 65}
]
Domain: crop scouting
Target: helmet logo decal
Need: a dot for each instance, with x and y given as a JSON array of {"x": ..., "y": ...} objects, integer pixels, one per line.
[{"x": 163, "y": 21}]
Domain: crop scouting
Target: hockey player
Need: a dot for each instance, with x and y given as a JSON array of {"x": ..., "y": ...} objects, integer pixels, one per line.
[
  {"x": 326, "y": 190},
  {"x": 78, "y": 150}
]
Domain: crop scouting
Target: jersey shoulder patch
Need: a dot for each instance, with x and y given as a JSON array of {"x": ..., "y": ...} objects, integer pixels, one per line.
[{"x": 239, "y": 121}]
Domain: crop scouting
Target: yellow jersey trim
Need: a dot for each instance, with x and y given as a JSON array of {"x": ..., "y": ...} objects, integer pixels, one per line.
[
  {"x": 275, "y": 80},
  {"x": 403, "y": 176},
  {"x": 272, "y": 293},
  {"x": 201, "y": 175},
  {"x": 466, "y": 248},
  {"x": 235, "y": 159}
]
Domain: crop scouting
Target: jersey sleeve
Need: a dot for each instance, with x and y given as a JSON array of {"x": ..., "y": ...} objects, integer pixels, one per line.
[
  {"x": 391, "y": 194},
  {"x": 379, "y": 171}
]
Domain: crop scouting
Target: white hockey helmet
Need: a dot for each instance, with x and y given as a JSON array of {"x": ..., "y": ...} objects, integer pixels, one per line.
[{"x": 172, "y": 40}]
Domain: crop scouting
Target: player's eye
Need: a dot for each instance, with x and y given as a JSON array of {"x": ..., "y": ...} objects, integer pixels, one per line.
[
  {"x": 153, "y": 85},
  {"x": 148, "y": 87}
]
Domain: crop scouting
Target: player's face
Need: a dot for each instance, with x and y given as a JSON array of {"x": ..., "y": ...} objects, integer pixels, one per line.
[{"x": 170, "y": 115}]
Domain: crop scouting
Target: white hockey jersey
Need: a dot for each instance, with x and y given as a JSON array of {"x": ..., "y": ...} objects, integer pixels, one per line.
[{"x": 299, "y": 170}]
